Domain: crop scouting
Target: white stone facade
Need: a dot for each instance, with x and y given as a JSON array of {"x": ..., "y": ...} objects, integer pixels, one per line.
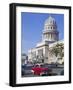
[{"x": 50, "y": 36}]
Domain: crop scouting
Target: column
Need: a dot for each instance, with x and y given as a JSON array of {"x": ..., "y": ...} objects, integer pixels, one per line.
[{"x": 50, "y": 37}]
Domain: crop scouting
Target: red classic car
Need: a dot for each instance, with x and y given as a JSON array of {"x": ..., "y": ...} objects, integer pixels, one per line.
[{"x": 39, "y": 70}]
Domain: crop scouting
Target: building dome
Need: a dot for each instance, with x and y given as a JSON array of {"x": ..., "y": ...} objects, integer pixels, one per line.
[
  {"x": 50, "y": 21},
  {"x": 50, "y": 32},
  {"x": 50, "y": 24}
]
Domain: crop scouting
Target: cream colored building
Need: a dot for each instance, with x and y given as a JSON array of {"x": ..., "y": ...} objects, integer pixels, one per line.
[{"x": 50, "y": 36}]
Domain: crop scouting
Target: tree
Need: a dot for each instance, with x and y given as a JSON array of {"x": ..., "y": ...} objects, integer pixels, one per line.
[
  {"x": 58, "y": 50},
  {"x": 61, "y": 50}
]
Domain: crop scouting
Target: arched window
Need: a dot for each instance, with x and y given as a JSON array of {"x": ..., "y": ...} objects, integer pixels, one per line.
[{"x": 53, "y": 27}]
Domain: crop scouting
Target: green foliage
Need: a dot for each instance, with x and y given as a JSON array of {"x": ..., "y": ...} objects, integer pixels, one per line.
[{"x": 58, "y": 49}]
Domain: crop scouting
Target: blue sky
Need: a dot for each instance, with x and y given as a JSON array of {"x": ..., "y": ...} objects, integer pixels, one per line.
[{"x": 32, "y": 25}]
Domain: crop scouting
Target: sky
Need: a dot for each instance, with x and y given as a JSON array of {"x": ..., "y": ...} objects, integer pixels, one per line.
[{"x": 32, "y": 25}]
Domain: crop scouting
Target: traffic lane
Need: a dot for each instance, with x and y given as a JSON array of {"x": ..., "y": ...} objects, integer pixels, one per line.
[{"x": 55, "y": 71}]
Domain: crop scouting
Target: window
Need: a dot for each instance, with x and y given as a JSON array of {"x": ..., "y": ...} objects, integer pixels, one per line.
[
  {"x": 40, "y": 52},
  {"x": 51, "y": 36},
  {"x": 53, "y": 27},
  {"x": 34, "y": 54}
]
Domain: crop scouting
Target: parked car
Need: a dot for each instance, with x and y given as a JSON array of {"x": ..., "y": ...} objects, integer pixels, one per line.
[
  {"x": 40, "y": 70},
  {"x": 62, "y": 72},
  {"x": 26, "y": 70}
]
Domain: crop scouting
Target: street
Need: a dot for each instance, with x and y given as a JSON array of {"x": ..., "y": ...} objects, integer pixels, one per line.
[{"x": 55, "y": 71}]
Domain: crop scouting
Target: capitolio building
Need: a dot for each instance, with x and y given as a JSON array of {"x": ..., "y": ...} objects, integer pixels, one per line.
[{"x": 50, "y": 36}]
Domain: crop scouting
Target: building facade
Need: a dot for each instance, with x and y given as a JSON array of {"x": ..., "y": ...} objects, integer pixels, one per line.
[
  {"x": 50, "y": 35},
  {"x": 24, "y": 59}
]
